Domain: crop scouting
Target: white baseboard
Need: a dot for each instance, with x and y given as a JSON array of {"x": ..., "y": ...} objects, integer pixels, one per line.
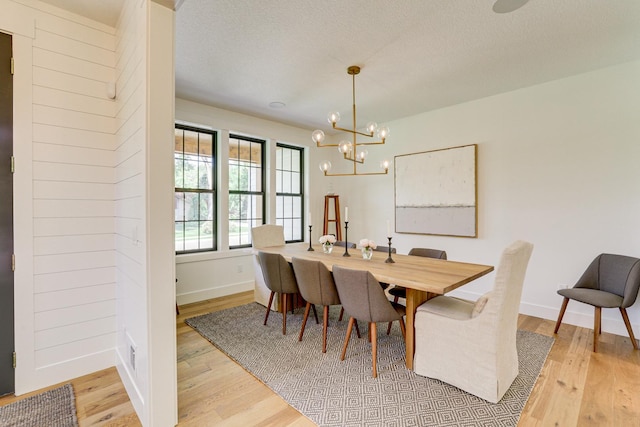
[
  {"x": 65, "y": 371},
  {"x": 205, "y": 294},
  {"x": 129, "y": 384}
]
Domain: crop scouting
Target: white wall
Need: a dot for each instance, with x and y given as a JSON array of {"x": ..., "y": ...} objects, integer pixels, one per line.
[
  {"x": 225, "y": 272},
  {"x": 65, "y": 274},
  {"x": 144, "y": 211},
  {"x": 557, "y": 166}
]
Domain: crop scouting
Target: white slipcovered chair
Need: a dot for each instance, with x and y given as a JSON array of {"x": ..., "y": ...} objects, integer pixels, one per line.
[
  {"x": 473, "y": 345},
  {"x": 264, "y": 236}
]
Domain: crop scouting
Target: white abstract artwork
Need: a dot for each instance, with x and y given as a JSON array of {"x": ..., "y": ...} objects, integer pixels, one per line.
[{"x": 435, "y": 192}]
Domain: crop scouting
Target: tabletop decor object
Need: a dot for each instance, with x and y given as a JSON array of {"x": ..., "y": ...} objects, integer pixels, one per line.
[
  {"x": 310, "y": 247},
  {"x": 367, "y": 246},
  {"x": 346, "y": 234},
  {"x": 327, "y": 242}
]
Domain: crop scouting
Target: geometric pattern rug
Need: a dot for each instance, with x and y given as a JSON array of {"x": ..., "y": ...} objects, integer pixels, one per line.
[
  {"x": 331, "y": 392},
  {"x": 53, "y": 408}
]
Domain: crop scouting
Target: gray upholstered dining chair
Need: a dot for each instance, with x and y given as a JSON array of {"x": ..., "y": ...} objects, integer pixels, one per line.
[
  {"x": 610, "y": 281},
  {"x": 279, "y": 278},
  {"x": 363, "y": 299},
  {"x": 316, "y": 286},
  {"x": 401, "y": 292},
  {"x": 264, "y": 236},
  {"x": 473, "y": 345},
  {"x": 343, "y": 244}
]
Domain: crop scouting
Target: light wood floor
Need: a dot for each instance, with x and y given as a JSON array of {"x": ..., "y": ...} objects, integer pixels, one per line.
[{"x": 576, "y": 387}]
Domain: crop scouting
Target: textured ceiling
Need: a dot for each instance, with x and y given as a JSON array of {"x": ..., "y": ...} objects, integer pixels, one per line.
[{"x": 416, "y": 55}]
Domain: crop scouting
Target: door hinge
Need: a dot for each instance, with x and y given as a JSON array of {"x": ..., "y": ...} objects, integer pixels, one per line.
[
  {"x": 13, "y": 164},
  {"x": 13, "y": 262},
  {"x": 12, "y": 65},
  {"x": 14, "y": 359}
]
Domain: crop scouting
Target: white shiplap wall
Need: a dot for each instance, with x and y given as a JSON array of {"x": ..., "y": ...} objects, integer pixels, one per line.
[
  {"x": 65, "y": 303},
  {"x": 129, "y": 206},
  {"x": 73, "y": 190}
]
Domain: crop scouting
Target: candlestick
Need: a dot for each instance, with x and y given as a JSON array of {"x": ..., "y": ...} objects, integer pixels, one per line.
[
  {"x": 310, "y": 248},
  {"x": 346, "y": 236},
  {"x": 389, "y": 259}
]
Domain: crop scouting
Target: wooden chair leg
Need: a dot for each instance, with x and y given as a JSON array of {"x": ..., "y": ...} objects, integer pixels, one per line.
[
  {"x": 623, "y": 311},
  {"x": 395, "y": 300},
  {"x": 374, "y": 348},
  {"x": 403, "y": 329},
  {"x": 346, "y": 338},
  {"x": 561, "y": 315},
  {"x": 266, "y": 316},
  {"x": 315, "y": 313},
  {"x": 357, "y": 329},
  {"x": 284, "y": 314},
  {"x": 325, "y": 324},
  {"x": 341, "y": 313},
  {"x": 304, "y": 320},
  {"x": 596, "y": 327}
]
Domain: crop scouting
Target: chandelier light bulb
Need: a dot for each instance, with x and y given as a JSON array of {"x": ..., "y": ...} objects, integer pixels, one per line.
[
  {"x": 372, "y": 127},
  {"x": 384, "y": 164},
  {"x": 325, "y": 166},
  {"x": 333, "y": 117},
  {"x": 383, "y": 132},
  {"x": 317, "y": 136},
  {"x": 344, "y": 147},
  {"x": 362, "y": 154}
]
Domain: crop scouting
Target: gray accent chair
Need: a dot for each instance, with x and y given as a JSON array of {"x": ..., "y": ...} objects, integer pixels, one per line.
[
  {"x": 316, "y": 287},
  {"x": 279, "y": 278},
  {"x": 610, "y": 281},
  {"x": 363, "y": 299},
  {"x": 472, "y": 346},
  {"x": 400, "y": 291}
]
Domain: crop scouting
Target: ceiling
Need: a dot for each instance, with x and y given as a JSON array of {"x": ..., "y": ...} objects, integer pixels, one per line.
[{"x": 415, "y": 55}]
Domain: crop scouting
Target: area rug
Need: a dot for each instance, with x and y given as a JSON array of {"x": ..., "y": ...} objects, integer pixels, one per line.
[
  {"x": 53, "y": 408},
  {"x": 335, "y": 393}
]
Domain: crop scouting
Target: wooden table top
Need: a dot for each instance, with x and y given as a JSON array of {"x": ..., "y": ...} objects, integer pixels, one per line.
[{"x": 425, "y": 274}]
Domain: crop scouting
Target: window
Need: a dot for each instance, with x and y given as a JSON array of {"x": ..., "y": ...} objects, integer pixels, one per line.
[
  {"x": 246, "y": 188},
  {"x": 289, "y": 195},
  {"x": 195, "y": 189}
]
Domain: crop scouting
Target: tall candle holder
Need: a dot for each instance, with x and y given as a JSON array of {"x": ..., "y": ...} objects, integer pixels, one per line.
[
  {"x": 310, "y": 248},
  {"x": 389, "y": 259},
  {"x": 346, "y": 239}
]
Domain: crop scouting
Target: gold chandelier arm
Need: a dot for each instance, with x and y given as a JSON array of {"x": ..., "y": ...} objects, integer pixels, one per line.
[
  {"x": 370, "y": 135},
  {"x": 352, "y": 159}
]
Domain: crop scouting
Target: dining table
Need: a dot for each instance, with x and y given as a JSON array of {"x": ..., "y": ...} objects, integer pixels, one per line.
[{"x": 424, "y": 278}]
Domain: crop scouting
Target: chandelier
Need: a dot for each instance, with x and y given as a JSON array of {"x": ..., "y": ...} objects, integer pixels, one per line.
[{"x": 352, "y": 150}]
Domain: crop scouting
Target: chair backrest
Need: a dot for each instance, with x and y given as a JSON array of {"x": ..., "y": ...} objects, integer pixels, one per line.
[
  {"x": 616, "y": 274},
  {"x": 278, "y": 274},
  {"x": 315, "y": 282},
  {"x": 343, "y": 244},
  {"x": 267, "y": 235},
  {"x": 504, "y": 303},
  {"x": 362, "y": 296},
  {"x": 428, "y": 253},
  {"x": 384, "y": 249}
]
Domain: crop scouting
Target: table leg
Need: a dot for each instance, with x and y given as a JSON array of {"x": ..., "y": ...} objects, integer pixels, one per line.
[{"x": 414, "y": 299}]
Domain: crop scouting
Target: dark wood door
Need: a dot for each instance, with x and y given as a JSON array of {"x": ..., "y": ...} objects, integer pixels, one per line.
[{"x": 7, "y": 375}]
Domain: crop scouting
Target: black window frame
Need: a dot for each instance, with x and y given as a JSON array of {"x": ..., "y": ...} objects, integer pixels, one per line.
[
  {"x": 262, "y": 192},
  {"x": 213, "y": 191},
  {"x": 300, "y": 194}
]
